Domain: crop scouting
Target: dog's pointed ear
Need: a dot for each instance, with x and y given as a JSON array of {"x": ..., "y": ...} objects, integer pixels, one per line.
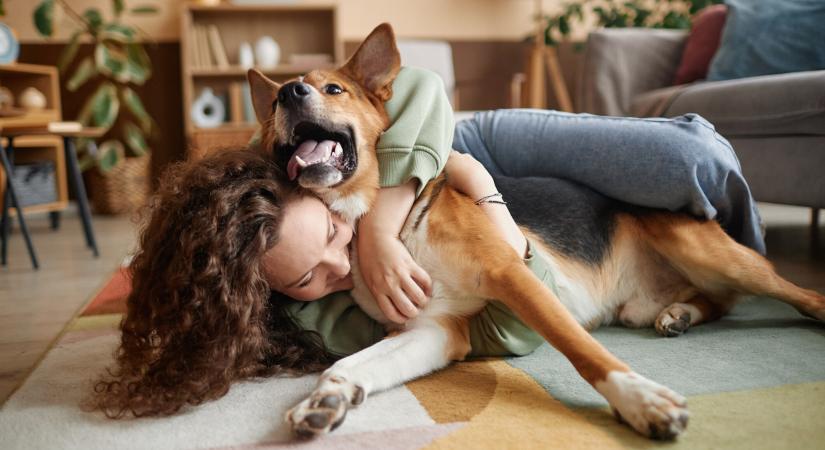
[
  {"x": 264, "y": 94},
  {"x": 376, "y": 62}
]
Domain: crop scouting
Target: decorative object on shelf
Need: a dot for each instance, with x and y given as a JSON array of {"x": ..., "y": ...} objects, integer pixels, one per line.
[
  {"x": 208, "y": 110},
  {"x": 6, "y": 98},
  {"x": 118, "y": 63},
  {"x": 32, "y": 99},
  {"x": 246, "y": 58},
  {"x": 9, "y": 47},
  {"x": 267, "y": 52}
]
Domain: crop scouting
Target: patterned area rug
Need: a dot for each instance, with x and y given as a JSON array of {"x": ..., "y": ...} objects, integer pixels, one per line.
[{"x": 755, "y": 379}]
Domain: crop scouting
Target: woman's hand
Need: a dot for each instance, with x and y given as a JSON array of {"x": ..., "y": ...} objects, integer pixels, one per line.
[
  {"x": 398, "y": 284},
  {"x": 468, "y": 176}
]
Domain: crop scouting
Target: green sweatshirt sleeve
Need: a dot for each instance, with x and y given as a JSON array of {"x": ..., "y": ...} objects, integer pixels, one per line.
[
  {"x": 420, "y": 137},
  {"x": 344, "y": 327}
]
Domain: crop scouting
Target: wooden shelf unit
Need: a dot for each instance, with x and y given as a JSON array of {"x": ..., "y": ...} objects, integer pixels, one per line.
[
  {"x": 17, "y": 77},
  {"x": 298, "y": 29}
]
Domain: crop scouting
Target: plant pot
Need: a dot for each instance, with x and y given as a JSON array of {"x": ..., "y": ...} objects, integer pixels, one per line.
[{"x": 122, "y": 190}]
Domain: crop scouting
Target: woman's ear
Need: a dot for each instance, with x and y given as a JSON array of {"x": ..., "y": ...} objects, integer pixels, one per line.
[
  {"x": 264, "y": 94},
  {"x": 376, "y": 62}
]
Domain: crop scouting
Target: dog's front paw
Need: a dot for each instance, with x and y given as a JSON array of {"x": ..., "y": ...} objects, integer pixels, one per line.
[
  {"x": 325, "y": 409},
  {"x": 650, "y": 408}
]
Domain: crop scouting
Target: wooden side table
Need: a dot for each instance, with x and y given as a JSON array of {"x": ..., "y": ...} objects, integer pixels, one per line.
[{"x": 75, "y": 177}]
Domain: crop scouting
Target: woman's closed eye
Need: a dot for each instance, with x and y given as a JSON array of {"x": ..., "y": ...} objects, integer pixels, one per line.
[{"x": 333, "y": 232}]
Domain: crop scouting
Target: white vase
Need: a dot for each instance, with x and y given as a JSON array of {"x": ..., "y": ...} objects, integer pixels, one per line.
[
  {"x": 208, "y": 110},
  {"x": 246, "y": 59},
  {"x": 267, "y": 52}
]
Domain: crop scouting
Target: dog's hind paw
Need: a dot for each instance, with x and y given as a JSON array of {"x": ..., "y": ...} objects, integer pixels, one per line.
[
  {"x": 673, "y": 321},
  {"x": 325, "y": 409},
  {"x": 648, "y": 407}
]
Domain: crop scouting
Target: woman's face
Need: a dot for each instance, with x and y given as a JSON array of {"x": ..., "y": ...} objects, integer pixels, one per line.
[{"x": 311, "y": 258}]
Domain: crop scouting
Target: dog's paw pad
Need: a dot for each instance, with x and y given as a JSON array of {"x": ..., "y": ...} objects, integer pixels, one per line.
[
  {"x": 319, "y": 414},
  {"x": 673, "y": 321}
]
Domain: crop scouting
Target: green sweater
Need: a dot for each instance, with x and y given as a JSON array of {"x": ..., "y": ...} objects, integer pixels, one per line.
[{"x": 417, "y": 145}]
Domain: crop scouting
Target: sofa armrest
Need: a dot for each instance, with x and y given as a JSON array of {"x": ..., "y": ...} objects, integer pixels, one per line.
[{"x": 621, "y": 63}]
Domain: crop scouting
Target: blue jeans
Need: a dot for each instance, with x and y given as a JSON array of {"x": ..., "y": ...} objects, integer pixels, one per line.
[{"x": 678, "y": 164}]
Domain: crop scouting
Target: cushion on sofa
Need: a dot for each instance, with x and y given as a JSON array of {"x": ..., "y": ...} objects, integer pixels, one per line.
[
  {"x": 770, "y": 105},
  {"x": 764, "y": 37},
  {"x": 701, "y": 45}
]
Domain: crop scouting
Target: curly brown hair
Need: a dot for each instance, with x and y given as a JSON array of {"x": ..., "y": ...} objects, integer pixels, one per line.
[{"x": 200, "y": 314}]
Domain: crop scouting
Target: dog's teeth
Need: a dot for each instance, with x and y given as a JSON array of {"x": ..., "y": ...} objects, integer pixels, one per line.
[
  {"x": 338, "y": 150},
  {"x": 301, "y": 162}
]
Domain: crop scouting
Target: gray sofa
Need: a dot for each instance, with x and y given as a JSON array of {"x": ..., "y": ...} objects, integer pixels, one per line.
[{"x": 776, "y": 123}]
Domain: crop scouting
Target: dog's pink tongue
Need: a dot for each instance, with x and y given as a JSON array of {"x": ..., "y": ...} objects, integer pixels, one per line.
[{"x": 308, "y": 153}]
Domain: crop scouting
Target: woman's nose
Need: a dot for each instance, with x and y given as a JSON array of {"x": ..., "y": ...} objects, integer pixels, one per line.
[{"x": 339, "y": 262}]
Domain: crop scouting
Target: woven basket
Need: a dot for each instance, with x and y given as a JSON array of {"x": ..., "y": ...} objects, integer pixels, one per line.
[{"x": 122, "y": 190}]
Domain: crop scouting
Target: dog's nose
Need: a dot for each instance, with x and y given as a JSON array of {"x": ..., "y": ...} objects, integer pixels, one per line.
[{"x": 294, "y": 92}]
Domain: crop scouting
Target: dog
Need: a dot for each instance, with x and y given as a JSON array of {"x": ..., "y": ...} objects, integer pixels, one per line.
[{"x": 613, "y": 263}]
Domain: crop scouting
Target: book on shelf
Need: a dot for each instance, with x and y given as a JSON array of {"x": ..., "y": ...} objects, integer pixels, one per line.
[{"x": 216, "y": 44}]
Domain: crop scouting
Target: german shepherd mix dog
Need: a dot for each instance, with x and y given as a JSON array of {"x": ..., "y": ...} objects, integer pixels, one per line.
[{"x": 635, "y": 266}]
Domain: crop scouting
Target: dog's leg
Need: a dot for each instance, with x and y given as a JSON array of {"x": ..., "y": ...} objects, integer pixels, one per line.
[
  {"x": 678, "y": 317},
  {"x": 650, "y": 408},
  {"x": 426, "y": 347},
  {"x": 717, "y": 264},
  {"x": 488, "y": 267}
]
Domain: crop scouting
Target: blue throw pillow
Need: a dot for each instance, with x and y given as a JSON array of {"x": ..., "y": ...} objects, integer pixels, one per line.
[{"x": 763, "y": 37}]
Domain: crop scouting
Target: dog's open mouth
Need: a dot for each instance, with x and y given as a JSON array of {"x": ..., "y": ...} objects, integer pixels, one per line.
[{"x": 319, "y": 157}]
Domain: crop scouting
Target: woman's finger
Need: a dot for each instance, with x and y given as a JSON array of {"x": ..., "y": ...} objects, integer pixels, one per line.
[
  {"x": 403, "y": 304},
  {"x": 422, "y": 278},
  {"x": 415, "y": 292},
  {"x": 385, "y": 304}
]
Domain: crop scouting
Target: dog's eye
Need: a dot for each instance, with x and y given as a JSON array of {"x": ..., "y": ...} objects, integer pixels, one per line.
[{"x": 333, "y": 89}]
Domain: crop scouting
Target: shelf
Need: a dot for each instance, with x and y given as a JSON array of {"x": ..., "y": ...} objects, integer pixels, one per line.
[
  {"x": 232, "y": 8},
  {"x": 237, "y": 71}
]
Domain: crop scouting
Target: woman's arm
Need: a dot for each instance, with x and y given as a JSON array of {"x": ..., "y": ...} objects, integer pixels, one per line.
[{"x": 469, "y": 177}]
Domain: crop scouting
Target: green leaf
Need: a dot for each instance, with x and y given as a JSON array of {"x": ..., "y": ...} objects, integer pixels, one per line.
[
  {"x": 84, "y": 71},
  {"x": 101, "y": 109},
  {"x": 564, "y": 26},
  {"x": 144, "y": 9},
  {"x": 138, "y": 64},
  {"x": 118, "y": 32},
  {"x": 135, "y": 105},
  {"x": 135, "y": 139},
  {"x": 111, "y": 60},
  {"x": 44, "y": 18},
  {"x": 2, "y": 8},
  {"x": 69, "y": 52},
  {"x": 94, "y": 18},
  {"x": 118, "y": 7},
  {"x": 110, "y": 154}
]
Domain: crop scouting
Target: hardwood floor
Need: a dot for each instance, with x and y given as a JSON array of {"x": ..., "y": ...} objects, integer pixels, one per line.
[{"x": 36, "y": 305}]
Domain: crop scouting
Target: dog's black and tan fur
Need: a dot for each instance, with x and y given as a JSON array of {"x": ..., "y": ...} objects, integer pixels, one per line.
[{"x": 612, "y": 262}]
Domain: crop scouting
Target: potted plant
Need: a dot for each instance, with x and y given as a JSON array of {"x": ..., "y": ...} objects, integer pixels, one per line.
[
  {"x": 622, "y": 14},
  {"x": 118, "y": 166}
]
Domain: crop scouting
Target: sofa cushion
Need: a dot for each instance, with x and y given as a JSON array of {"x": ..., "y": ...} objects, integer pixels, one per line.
[
  {"x": 792, "y": 103},
  {"x": 701, "y": 45},
  {"x": 764, "y": 37}
]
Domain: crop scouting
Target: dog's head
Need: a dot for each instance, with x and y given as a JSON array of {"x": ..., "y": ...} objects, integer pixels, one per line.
[{"x": 322, "y": 127}]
